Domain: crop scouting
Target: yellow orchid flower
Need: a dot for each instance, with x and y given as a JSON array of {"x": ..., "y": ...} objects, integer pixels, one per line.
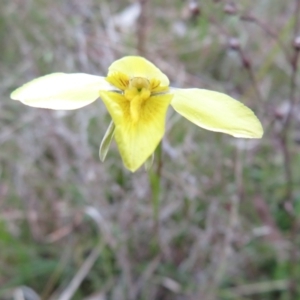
[{"x": 137, "y": 95}]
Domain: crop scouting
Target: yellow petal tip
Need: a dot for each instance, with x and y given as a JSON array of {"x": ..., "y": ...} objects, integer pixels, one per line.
[{"x": 217, "y": 112}]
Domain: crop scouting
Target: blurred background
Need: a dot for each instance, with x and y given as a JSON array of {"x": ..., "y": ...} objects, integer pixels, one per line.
[{"x": 72, "y": 227}]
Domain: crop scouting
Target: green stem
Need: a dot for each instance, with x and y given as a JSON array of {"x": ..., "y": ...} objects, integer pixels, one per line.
[{"x": 155, "y": 178}]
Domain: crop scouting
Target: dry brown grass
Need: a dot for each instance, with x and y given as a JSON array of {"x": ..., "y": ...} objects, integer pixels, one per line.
[{"x": 72, "y": 227}]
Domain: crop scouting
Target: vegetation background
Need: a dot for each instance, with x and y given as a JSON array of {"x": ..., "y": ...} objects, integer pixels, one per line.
[{"x": 72, "y": 227}]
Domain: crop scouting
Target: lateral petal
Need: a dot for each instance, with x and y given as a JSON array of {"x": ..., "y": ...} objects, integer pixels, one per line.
[
  {"x": 61, "y": 91},
  {"x": 136, "y": 66},
  {"x": 217, "y": 112},
  {"x": 137, "y": 140}
]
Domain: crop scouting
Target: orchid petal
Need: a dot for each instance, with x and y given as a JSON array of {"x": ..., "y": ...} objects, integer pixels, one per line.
[
  {"x": 137, "y": 139},
  {"x": 106, "y": 141},
  {"x": 217, "y": 112},
  {"x": 61, "y": 91},
  {"x": 136, "y": 66}
]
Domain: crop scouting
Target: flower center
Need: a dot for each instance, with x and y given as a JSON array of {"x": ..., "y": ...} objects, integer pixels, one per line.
[
  {"x": 137, "y": 90},
  {"x": 137, "y": 93}
]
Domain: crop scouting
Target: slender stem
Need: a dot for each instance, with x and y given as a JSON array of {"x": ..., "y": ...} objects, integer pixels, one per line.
[
  {"x": 248, "y": 66},
  {"x": 297, "y": 18},
  {"x": 267, "y": 30},
  {"x": 142, "y": 28},
  {"x": 287, "y": 123},
  {"x": 294, "y": 290},
  {"x": 155, "y": 187},
  {"x": 155, "y": 183}
]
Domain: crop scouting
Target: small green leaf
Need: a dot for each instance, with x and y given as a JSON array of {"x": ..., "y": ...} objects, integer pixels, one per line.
[{"x": 105, "y": 144}]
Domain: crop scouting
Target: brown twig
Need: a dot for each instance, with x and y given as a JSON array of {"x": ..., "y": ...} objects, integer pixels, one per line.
[
  {"x": 294, "y": 62},
  {"x": 248, "y": 67},
  {"x": 234, "y": 44},
  {"x": 142, "y": 28},
  {"x": 267, "y": 30}
]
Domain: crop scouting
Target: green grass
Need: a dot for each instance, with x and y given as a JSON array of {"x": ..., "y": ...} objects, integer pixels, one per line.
[{"x": 223, "y": 232}]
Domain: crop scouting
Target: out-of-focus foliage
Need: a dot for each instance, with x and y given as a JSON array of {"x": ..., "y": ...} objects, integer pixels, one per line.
[{"x": 228, "y": 211}]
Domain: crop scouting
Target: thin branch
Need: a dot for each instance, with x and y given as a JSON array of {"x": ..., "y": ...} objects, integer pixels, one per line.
[
  {"x": 142, "y": 28},
  {"x": 267, "y": 30},
  {"x": 294, "y": 255},
  {"x": 293, "y": 99}
]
